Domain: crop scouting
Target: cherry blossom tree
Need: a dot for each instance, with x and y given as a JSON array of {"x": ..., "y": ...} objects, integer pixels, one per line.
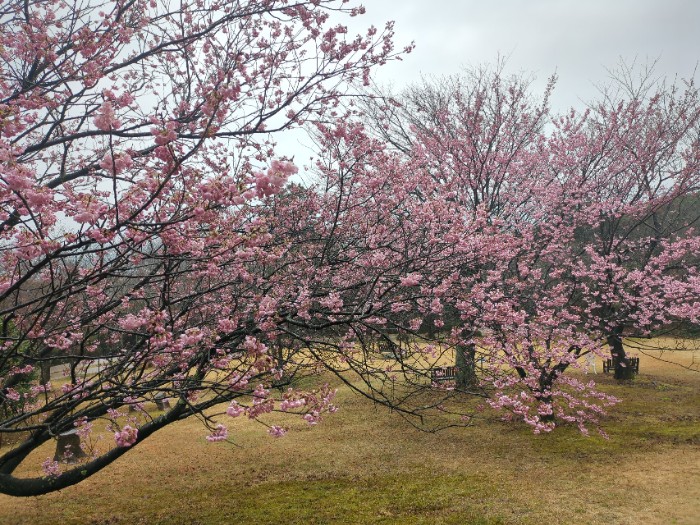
[
  {"x": 476, "y": 137},
  {"x": 589, "y": 227},
  {"x": 138, "y": 251},
  {"x": 632, "y": 174},
  {"x": 609, "y": 249},
  {"x": 367, "y": 268}
]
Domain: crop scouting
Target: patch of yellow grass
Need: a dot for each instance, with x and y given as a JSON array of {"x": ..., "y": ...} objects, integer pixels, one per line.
[{"x": 366, "y": 465}]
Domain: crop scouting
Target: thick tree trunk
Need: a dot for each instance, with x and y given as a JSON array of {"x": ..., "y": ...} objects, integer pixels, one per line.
[
  {"x": 279, "y": 354},
  {"x": 45, "y": 372},
  {"x": 547, "y": 418},
  {"x": 465, "y": 362},
  {"x": 621, "y": 364}
]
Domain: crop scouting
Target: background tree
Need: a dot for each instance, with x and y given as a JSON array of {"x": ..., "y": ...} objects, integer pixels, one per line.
[
  {"x": 604, "y": 243},
  {"x": 375, "y": 264},
  {"x": 630, "y": 166},
  {"x": 476, "y": 136},
  {"x": 545, "y": 191}
]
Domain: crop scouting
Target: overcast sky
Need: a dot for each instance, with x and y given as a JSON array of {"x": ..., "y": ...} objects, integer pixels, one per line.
[{"x": 577, "y": 39}]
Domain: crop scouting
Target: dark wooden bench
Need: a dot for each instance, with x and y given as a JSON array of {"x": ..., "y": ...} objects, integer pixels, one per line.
[
  {"x": 389, "y": 349},
  {"x": 385, "y": 347},
  {"x": 443, "y": 373},
  {"x": 632, "y": 362}
]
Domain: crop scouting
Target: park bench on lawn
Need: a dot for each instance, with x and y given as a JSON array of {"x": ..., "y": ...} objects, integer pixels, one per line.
[
  {"x": 632, "y": 362},
  {"x": 443, "y": 373},
  {"x": 387, "y": 348}
]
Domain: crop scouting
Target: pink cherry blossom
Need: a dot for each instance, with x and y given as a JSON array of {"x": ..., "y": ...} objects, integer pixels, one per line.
[
  {"x": 220, "y": 433},
  {"x": 127, "y": 436}
]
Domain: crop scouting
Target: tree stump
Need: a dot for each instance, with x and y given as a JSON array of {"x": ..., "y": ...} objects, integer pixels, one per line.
[{"x": 68, "y": 447}]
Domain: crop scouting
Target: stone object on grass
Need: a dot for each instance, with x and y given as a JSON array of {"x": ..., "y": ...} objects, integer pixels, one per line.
[
  {"x": 68, "y": 447},
  {"x": 161, "y": 400}
]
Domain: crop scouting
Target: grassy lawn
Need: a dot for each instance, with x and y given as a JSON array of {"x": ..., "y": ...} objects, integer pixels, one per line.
[{"x": 366, "y": 465}]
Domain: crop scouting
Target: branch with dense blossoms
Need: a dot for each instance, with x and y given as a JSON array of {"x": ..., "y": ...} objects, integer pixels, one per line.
[{"x": 135, "y": 165}]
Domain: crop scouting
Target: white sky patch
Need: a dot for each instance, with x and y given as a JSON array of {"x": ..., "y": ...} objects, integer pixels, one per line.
[{"x": 576, "y": 39}]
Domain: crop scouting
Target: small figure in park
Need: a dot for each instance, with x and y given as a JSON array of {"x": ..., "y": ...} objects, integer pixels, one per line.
[{"x": 590, "y": 362}]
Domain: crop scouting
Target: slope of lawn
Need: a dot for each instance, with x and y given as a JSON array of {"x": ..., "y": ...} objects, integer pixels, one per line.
[{"x": 366, "y": 465}]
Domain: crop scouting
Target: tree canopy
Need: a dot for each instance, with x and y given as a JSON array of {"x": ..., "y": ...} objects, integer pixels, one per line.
[{"x": 154, "y": 246}]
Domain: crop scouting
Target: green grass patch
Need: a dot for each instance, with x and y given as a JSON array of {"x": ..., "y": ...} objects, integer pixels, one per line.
[{"x": 383, "y": 500}]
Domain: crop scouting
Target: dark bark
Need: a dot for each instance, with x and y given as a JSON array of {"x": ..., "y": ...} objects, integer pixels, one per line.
[
  {"x": 465, "y": 362},
  {"x": 45, "y": 368},
  {"x": 621, "y": 364},
  {"x": 24, "y": 487}
]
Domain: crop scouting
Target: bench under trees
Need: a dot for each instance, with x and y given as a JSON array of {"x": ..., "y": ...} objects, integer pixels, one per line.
[
  {"x": 632, "y": 364},
  {"x": 443, "y": 373}
]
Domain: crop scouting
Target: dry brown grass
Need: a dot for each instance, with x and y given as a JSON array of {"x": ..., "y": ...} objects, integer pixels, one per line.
[{"x": 366, "y": 465}]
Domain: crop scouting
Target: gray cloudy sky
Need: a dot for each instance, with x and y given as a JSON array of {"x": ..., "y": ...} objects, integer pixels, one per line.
[{"x": 577, "y": 39}]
